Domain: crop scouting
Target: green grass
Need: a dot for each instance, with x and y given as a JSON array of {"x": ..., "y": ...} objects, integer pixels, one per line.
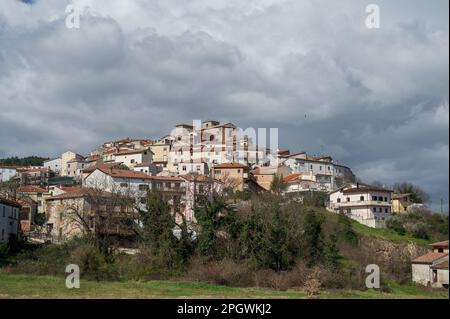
[
  {"x": 387, "y": 234},
  {"x": 24, "y": 286}
]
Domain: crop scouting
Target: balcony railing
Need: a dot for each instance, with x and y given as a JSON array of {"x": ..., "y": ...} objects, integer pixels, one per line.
[{"x": 360, "y": 203}]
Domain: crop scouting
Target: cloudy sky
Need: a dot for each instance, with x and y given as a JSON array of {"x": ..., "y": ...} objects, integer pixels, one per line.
[{"x": 377, "y": 100}]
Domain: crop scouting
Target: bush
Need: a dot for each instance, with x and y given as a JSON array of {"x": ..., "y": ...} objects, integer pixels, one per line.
[{"x": 224, "y": 272}]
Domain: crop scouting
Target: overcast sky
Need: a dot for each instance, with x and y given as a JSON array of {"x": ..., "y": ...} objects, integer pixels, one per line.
[{"x": 376, "y": 100}]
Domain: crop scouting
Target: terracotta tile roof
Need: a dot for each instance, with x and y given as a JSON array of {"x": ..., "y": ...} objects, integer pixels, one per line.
[
  {"x": 398, "y": 196},
  {"x": 291, "y": 177},
  {"x": 429, "y": 258},
  {"x": 105, "y": 166},
  {"x": 120, "y": 173},
  {"x": 441, "y": 265},
  {"x": 70, "y": 189},
  {"x": 198, "y": 178},
  {"x": 9, "y": 202},
  {"x": 365, "y": 188},
  {"x": 31, "y": 189},
  {"x": 125, "y": 152},
  {"x": 440, "y": 244},
  {"x": 81, "y": 192},
  {"x": 230, "y": 165}
]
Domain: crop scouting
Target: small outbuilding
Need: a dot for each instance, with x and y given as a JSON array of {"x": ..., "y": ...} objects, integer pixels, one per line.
[{"x": 432, "y": 269}]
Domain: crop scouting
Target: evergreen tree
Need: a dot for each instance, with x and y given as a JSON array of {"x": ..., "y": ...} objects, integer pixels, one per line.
[{"x": 313, "y": 238}]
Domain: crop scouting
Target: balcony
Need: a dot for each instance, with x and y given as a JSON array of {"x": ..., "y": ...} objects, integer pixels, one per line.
[{"x": 360, "y": 203}]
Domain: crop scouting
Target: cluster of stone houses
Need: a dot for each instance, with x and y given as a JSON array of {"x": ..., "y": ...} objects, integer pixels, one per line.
[{"x": 206, "y": 158}]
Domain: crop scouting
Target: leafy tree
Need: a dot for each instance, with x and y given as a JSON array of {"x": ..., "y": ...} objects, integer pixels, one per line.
[
  {"x": 25, "y": 161},
  {"x": 332, "y": 252},
  {"x": 158, "y": 225},
  {"x": 395, "y": 223},
  {"x": 214, "y": 218},
  {"x": 418, "y": 195},
  {"x": 278, "y": 249},
  {"x": 278, "y": 185},
  {"x": 315, "y": 199}
]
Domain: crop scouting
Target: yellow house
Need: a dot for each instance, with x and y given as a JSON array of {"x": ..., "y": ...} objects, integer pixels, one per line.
[
  {"x": 233, "y": 175},
  {"x": 264, "y": 175},
  {"x": 401, "y": 202},
  {"x": 37, "y": 194}
]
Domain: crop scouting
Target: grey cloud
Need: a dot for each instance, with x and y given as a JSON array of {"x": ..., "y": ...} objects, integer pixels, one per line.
[{"x": 376, "y": 100}]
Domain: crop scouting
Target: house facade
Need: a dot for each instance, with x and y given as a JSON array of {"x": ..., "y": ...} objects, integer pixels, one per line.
[
  {"x": 7, "y": 173},
  {"x": 71, "y": 163},
  {"x": 9, "y": 219},
  {"x": 131, "y": 158},
  {"x": 84, "y": 211},
  {"x": 233, "y": 175},
  {"x": 54, "y": 165},
  {"x": 366, "y": 204}
]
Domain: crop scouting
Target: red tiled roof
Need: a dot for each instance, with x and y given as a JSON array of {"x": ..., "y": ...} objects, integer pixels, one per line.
[
  {"x": 230, "y": 165},
  {"x": 9, "y": 202},
  {"x": 429, "y": 258},
  {"x": 81, "y": 192},
  {"x": 120, "y": 173},
  {"x": 440, "y": 244},
  {"x": 125, "y": 152},
  {"x": 441, "y": 265},
  {"x": 31, "y": 189},
  {"x": 291, "y": 177}
]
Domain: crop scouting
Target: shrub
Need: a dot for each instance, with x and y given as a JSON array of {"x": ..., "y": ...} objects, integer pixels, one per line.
[{"x": 223, "y": 272}]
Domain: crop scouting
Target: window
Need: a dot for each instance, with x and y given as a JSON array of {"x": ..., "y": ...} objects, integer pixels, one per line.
[
  {"x": 168, "y": 185},
  {"x": 132, "y": 161},
  {"x": 218, "y": 171},
  {"x": 374, "y": 209},
  {"x": 386, "y": 210},
  {"x": 184, "y": 167},
  {"x": 380, "y": 210},
  {"x": 123, "y": 185},
  {"x": 143, "y": 187},
  {"x": 374, "y": 198},
  {"x": 361, "y": 198},
  {"x": 338, "y": 200},
  {"x": 440, "y": 250},
  {"x": 320, "y": 167},
  {"x": 239, "y": 171},
  {"x": 348, "y": 199},
  {"x": 385, "y": 199}
]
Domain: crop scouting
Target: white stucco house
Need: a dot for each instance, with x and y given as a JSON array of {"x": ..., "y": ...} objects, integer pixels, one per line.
[
  {"x": 131, "y": 158},
  {"x": 366, "y": 204},
  {"x": 7, "y": 173},
  {"x": 9, "y": 219},
  {"x": 54, "y": 165},
  {"x": 432, "y": 269}
]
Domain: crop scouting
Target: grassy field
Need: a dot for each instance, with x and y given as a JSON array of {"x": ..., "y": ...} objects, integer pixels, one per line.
[
  {"x": 387, "y": 234},
  {"x": 21, "y": 286}
]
